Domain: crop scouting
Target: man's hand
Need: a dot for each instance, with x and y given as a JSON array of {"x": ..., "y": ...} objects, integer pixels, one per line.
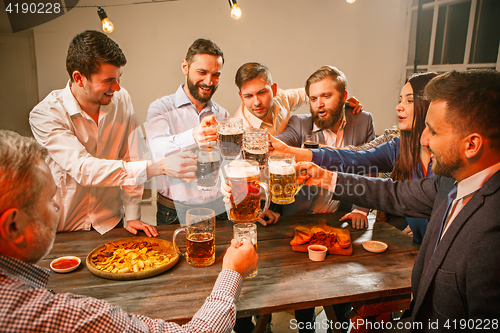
[
  {"x": 181, "y": 165},
  {"x": 359, "y": 220},
  {"x": 269, "y": 217},
  {"x": 205, "y": 132},
  {"x": 354, "y": 103},
  {"x": 134, "y": 225},
  {"x": 240, "y": 258},
  {"x": 225, "y": 189},
  {"x": 408, "y": 231},
  {"x": 276, "y": 146},
  {"x": 311, "y": 174}
]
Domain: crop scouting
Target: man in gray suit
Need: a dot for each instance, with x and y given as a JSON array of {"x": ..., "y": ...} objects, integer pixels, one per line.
[
  {"x": 455, "y": 276},
  {"x": 326, "y": 89}
]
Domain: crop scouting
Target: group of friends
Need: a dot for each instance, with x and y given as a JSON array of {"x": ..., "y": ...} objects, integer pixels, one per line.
[{"x": 85, "y": 169}]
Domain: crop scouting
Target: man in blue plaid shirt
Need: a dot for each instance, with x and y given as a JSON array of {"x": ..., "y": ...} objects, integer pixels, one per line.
[{"x": 29, "y": 216}]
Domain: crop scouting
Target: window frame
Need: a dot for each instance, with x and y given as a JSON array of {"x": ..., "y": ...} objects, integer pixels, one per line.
[{"x": 443, "y": 67}]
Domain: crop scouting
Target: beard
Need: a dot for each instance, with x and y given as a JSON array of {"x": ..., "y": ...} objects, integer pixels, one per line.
[
  {"x": 332, "y": 118},
  {"x": 41, "y": 245},
  {"x": 447, "y": 164},
  {"x": 193, "y": 90}
]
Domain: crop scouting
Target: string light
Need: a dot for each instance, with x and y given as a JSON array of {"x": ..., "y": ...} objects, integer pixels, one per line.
[
  {"x": 235, "y": 9},
  {"x": 107, "y": 25}
]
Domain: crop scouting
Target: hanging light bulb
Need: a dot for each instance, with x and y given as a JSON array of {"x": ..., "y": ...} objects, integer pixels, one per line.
[
  {"x": 350, "y": 1},
  {"x": 235, "y": 9},
  {"x": 107, "y": 25}
]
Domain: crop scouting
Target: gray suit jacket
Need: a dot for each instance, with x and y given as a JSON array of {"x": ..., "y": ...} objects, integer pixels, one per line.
[
  {"x": 462, "y": 277},
  {"x": 358, "y": 130}
]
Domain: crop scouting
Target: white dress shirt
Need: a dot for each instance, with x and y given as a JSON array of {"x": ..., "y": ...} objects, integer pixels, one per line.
[
  {"x": 284, "y": 103},
  {"x": 466, "y": 190},
  {"x": 90, "y": 162},
  {"x": 169, "y": 129}
]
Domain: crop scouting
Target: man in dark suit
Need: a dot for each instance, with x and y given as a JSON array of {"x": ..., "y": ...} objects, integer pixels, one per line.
[
  {"x": 455, "y": 279},
  {"x": 327, "y": 92}
]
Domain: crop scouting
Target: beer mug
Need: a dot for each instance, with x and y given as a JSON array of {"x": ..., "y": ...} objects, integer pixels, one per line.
[
  {"x": 208, "y": 164},
  {"x": 230, "y": 137},
  {"x": 200, "y": 237},
  {"x": 244, "y": 177},
  {"x": 242, "y": 231},
  {"x": 311, "y": 140},
  {"x": 282, "y": 178},
  {"x": 256, "y": 145}
]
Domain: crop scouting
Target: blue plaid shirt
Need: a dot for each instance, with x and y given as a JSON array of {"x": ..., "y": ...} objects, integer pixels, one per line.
[{"x": 27, "y": 306}]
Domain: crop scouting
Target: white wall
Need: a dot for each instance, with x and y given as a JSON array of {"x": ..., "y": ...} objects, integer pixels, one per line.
[{"x": 293, "y": 37}]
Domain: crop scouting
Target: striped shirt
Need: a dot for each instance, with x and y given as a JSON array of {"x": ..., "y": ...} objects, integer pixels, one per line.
[{"x": 27, "y": 306}]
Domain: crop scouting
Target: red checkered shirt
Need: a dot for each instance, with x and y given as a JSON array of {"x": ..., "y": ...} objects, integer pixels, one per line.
[{"x": 27, "y": 306}]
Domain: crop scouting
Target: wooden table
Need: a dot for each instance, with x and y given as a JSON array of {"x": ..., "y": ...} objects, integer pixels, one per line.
[{"x": 286, "y": 280}]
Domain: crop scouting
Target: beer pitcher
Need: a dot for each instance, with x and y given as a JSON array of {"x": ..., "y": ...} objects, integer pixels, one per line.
[
  {"x": 244, "y": 177},
  {"x": 200, "y": 237}
]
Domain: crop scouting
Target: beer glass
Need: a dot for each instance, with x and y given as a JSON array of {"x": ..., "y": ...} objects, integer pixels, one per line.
[
  {"x": 200, "y": 237},
  {"x": 208, "y": 164},
  {"x": 282, "y": 178},
  {"x": 230, "y": 137},
  {"x": 242, "y": 231},
  {"x": 311, "y": 140},
  {"x": 244, "y": 177},
  {"x": 256, "y": 145}
]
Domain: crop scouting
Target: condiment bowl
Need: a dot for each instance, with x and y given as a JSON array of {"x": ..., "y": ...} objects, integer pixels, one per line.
[
  {"x": 375, "y": 246},
  {"x": 317, "y": 252},
  {"x": 65, "y": 264}
]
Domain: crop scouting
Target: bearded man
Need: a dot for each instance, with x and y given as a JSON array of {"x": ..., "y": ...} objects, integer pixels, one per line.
[
  {"x": 327, "y": 92},
  {"x": 182, "y": 122},
  {"x": 326, "y": 89}
]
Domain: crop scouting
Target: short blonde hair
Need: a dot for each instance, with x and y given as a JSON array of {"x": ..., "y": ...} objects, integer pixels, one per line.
[
  {"x": 20, "y": 179},
  {"x": 328, "y": 71}
]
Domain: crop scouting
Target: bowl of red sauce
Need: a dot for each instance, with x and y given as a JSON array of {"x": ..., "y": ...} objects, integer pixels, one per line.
[{"x": 65, "y": 264}]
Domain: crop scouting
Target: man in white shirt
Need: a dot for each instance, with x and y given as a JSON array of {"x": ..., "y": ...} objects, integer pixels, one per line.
[
  {"x": 184, "y": 121},
  {"x": 89, "y": 130}
]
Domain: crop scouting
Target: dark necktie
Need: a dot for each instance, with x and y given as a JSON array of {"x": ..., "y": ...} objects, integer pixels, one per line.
[{"x": 436, "y": 236}]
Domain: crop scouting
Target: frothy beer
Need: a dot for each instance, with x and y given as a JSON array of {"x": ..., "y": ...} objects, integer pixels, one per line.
[
  {"x": 230, "y": 140},
  {"x": 245, "y": 191},
  {"x": 282, "y": 181},
  {"x": 200, "y": 249},
  {"x": 207, "y": 172}
]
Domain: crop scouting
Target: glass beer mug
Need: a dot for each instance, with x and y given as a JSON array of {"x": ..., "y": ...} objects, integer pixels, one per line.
[
  {"x": 244, "y": 177},
  {"x": 282, "y": 178},
  {"x": 230, "y": 137},
  {"x": 200, "y": 237},
  {"x": 208, "y": 164},
  {"x": 242, "y": 231},
  {"x": 256, "y": 145}
]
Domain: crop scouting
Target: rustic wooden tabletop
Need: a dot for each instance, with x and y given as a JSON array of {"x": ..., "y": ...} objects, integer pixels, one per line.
[{"x": 286, "y": 279}]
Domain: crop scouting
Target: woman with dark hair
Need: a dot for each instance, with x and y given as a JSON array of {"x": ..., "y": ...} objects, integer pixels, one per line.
[{"x": 403, "y": 156}]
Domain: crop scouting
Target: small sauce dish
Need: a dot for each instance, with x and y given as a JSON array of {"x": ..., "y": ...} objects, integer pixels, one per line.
[
  {"x": 65, "y": 264},
  {"x": 375, "y": 246},
  {"x": 317, "y": 252}
]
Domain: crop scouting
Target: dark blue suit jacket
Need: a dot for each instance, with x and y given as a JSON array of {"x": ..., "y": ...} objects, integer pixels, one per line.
[{"x": 462, "y": 277}]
